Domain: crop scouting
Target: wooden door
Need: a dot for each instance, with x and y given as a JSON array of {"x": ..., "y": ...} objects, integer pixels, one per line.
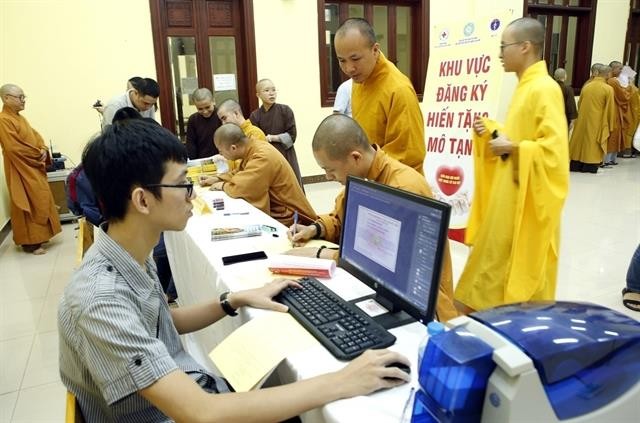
[{"x": 203, "y": 43}]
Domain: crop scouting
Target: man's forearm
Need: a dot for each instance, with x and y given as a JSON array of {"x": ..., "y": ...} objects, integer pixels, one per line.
[{"x": 198, "y": 316}]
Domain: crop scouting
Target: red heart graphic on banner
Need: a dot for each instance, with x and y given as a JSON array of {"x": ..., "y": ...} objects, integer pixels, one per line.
[{"x": 449, "y": 179}]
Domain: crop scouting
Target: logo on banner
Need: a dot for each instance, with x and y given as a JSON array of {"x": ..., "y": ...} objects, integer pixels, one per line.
[
  {"x": 495, "y": 24},
  {"x": 468, "y": 29},
  {"x": 444, "y": 35},
  {"x": 449, "y": 179}
]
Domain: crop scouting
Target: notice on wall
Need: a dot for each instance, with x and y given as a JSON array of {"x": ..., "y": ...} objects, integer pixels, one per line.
[
  {"x": 224, "y": 82},
  {"x": 464, "y": 78}
]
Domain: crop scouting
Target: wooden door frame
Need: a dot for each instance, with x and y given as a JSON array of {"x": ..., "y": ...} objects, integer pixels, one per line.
[{"x": 245, "y": 49}]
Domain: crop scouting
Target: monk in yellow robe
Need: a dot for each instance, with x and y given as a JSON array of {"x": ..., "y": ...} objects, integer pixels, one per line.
[
  {"x": 596, "y": 111},
  {"x": 522, "y": 180},
  {"x": 383, "y": 100},
  {"x": 34, "y": 219},
  {"x": 231, "y": 112},
  {"x": 264, "y": 178},
  {"x": 341, "y": 148},
  {"x": 619, "y": 140}
]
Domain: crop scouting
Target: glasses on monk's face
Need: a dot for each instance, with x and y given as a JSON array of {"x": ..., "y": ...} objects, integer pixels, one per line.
[
  {"x": 21, "y": 97},
  {"x": 503, "y": 46},
  {"x": 188, "y": 187}
]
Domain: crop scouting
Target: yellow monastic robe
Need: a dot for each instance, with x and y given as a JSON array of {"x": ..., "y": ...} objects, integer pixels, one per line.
[
  {"x": 388, "y": 171},
  {"x": 252, "y": 131},
  {"x": 635, "y": 110},
  {"x": 514, "y": 224},
  {"x": 596, "y": 111},
  {"x": 619, "y": 139},
  {"x": 34, "y": 218},
  {"x": 387, "y": 109},
  {"x": 265, "y": 179}
]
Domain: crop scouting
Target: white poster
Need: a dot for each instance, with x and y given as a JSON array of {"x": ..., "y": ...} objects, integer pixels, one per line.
[
  {"x": 464, "y": 78},
  {"x": 224, "y": 82}
]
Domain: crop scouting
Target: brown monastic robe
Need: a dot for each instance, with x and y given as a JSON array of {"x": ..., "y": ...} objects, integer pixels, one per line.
[{"x": 34, "y": 218}]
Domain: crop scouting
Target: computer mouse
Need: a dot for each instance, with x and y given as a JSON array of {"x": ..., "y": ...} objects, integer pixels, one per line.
[{"x": 400, "y": 366}]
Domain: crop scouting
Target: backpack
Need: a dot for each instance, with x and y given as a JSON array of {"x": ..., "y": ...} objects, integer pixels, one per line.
[{"x": 71, "y": 191}]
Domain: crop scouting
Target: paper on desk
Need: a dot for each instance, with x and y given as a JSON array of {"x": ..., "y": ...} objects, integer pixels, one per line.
[
  {"x": 254, "y": 349},
  {"x": 347, "y": 286},
  {"x": 301, "y": 266},
  {"x": 200, "y": 206}
]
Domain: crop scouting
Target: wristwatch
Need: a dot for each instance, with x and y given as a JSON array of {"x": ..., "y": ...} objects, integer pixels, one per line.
[
  {"x": 318, "y": 230},
  {"x": 224, "y": 303}
]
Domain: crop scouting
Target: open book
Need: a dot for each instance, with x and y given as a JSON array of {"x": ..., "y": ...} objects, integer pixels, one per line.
[{"x": 218, "y": 234}]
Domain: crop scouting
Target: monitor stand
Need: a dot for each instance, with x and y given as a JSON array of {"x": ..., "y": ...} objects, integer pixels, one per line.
[{"x": 394, "y": 318}]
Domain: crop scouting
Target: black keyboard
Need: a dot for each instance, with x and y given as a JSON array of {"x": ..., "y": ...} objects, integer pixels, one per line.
[{"x": 344, "y": 329}]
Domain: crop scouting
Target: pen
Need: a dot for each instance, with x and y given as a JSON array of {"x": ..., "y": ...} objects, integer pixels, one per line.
[
  {"x": 406, "y": 405},
  {"x": 236, "y": 214},
  {"x": 295, "y": 222}
]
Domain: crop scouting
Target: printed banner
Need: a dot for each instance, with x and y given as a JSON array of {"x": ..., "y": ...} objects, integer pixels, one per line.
[{"x": 464, "y": 78}]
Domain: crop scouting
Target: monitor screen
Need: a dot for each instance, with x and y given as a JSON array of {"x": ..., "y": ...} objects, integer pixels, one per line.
[{"x": 394, "y": 241}]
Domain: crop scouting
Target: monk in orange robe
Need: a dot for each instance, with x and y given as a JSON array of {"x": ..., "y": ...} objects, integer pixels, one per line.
[
  {"x": 264, "y": 178},
  {"x": 619, "y": 140},
  {"x": 34, "y": 219}
]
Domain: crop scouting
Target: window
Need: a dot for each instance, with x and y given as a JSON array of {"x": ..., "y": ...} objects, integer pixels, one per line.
[
  {"x": 402, "y": 29},
  {"x": 569, "y": 39},
  {"x": 632, "y": 44}
]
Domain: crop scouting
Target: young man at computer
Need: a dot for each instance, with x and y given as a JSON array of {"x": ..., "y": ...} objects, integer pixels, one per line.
[
  {"x": 120, "y": 353},
  {"x": 341, "y": 148}
]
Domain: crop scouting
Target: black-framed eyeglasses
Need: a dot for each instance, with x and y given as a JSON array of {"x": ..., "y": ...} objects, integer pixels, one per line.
[
  {"x": 188, "y": 187},
  {"x": 503, "y": 46},
  {"x": 19, "y": 97}
]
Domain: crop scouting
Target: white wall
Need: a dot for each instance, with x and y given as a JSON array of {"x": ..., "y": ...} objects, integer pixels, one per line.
[
  {"x": 287, "y": 53},
  {"x": 611, "y": 29},
  {"x": 67, "y": 53}
]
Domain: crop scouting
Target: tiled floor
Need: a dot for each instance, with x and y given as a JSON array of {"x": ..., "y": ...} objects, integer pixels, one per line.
[{"x": 601, "y": 228}]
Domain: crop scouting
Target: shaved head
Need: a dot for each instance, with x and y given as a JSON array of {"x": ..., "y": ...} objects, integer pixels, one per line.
[
  {"x": 202, "y": 94},
  {"x": 229, "y": 106},
  {"x": 560, "y": 74},
  {"x": 359, "y": 24},
  {"x": 338, "y": 135},
  {"x": 229, "y": 134},
  {"x": 9, "y": 89},
  {"x": 529, "y": 29},
  {"x": 595, "y": 68},
  {"x": 604, "y": 70},
  {"x": 263, "y": 82},
  {"x": 616, "y": 67}
]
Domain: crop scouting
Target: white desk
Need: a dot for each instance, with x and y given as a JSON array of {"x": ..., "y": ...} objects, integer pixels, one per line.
[{"x": 199, "y": 274}]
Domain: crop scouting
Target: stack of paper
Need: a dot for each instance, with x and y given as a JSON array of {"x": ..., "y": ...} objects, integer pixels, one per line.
[
  {"x": 253, "y": 350},
  {"x": 302, "y": 266}
]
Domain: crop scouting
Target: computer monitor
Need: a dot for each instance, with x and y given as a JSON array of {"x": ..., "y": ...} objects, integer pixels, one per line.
[{"x": 394, "y": 241}]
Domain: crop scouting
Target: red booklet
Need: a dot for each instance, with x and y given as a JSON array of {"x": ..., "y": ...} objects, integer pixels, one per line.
[{"x": 302, "y": 266}]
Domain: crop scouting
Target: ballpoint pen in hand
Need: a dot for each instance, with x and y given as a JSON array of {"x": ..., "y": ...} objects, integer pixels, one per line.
[{"x": 295, "y": 223}]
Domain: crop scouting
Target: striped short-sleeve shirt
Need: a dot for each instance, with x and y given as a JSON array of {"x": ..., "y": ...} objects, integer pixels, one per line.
[{"x": 117, "y": 337}]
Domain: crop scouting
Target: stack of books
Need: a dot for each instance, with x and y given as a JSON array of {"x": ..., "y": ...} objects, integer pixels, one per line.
[{"x": 218, "y": 234}]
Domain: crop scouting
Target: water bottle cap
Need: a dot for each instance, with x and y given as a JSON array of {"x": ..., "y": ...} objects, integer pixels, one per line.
[{"x": 434, "y": 328}]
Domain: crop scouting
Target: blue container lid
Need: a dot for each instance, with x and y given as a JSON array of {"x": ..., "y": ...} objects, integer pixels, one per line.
[
  {"x": 586, "y": 355},
  {"x": 562, "y": 338}
]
